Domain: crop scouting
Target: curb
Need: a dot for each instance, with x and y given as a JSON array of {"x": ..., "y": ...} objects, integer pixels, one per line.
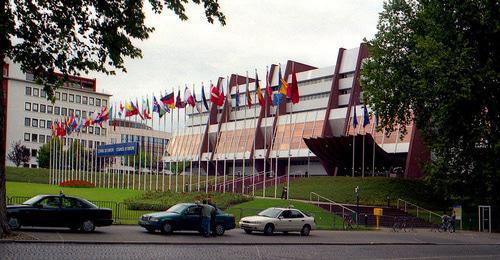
[{"x": 84, "y": 242}]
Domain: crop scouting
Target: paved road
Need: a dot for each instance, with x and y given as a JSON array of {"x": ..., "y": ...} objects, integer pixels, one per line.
[
  {"x": 136, "y": 234},
  {"x": 184, "y": 252}
]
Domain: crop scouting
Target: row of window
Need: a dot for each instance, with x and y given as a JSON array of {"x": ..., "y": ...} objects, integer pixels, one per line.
[
  {"x": 79, "y": 99},
  {"x": 49, "y": 109},
  {"x": 38, "y": 138},
  {"x": 41, "y": 123}
]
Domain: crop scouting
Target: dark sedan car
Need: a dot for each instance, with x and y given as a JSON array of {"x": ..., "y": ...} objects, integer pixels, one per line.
[
  {"x": 58, "y": 211},
  {"x": 184, "y": 216}
]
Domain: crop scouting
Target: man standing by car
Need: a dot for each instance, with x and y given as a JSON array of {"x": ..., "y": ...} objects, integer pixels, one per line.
[{"x": 206, "y": 211}]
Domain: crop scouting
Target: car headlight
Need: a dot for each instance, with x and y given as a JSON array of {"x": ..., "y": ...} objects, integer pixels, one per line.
[{"x": 153, "y": 219}]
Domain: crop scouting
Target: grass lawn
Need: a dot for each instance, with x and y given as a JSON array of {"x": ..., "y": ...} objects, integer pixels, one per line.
[
  {"x": 27, "y": 175},
  {"x": 324, "y": 219},
  {"x": 372, "y": 190}
]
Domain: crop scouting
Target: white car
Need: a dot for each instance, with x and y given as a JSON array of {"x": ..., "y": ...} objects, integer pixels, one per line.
[{"x": 279, "y": 220}]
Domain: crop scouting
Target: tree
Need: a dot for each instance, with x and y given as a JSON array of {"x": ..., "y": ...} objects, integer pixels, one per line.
[
  {"x": 19, "y": 154},
  {"x": 71, "y": 37},
  {"x": 436, "y": 63},
  {"x": 47, "y": 150}
]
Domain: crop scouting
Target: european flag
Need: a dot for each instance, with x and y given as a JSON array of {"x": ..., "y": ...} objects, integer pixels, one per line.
[
  {"x": 278, "y": 99},
  {"x": 203, "y": 97},
  {"x": 354, "y": 118},
  {"x": 366, "y": 119}
]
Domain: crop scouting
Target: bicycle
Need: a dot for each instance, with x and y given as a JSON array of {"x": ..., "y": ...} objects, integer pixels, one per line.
[{"x": 401, "y": 224}]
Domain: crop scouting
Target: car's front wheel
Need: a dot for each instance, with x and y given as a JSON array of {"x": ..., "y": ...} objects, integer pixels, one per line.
[
  {"x": 87, "y": 226},
  {"x": 14, "y": 223},
  {"x": 306, "y": 230},
  {"x": 166, "y": 228},
  {"x": 269, "y": 229},
  {"x": 220, "y": 229}
]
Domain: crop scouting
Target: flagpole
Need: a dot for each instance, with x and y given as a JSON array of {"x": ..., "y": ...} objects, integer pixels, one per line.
[
  {"x": 200, "y": 146},
  {"x": 265, "y": 134},
  {"x": 165, "y": 146},
  {"x": 208, "y": 142},
  {"x": 191, "y": 148},
  {"x": 373, "y": 152},
  {"x": 255, "y": 134},
  {"x": 353, "y": 142},
  {"x": 152, "y": 143},
  {"x": 290, "y": 149},
  {"x": 247, "y": 93},
  {"x": 237, "y": 92},
  {"x": 171, "y": 150}
]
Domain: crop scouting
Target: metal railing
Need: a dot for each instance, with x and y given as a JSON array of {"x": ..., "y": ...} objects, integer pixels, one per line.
[
  {"x": 331, "y": 204},
  {"x": 419, "y": 212}
]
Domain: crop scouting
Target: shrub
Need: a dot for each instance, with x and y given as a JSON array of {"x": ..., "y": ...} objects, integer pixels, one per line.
[
  {"x": 77, "y": 184},
  {"x": 159, "y": 201}
]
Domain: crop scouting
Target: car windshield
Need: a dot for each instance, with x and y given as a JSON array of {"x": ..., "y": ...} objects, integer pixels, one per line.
[
  {"x": 270, "y": 213},
  {"x": 32, "y": 200},
  {"x": 177, "y": 208}
]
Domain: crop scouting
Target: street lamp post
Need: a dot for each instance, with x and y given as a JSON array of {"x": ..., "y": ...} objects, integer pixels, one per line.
[{"x": 356, "y": 190}]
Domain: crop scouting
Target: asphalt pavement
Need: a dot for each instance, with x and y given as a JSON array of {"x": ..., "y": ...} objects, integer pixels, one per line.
[{"x": 133, "y": 242}]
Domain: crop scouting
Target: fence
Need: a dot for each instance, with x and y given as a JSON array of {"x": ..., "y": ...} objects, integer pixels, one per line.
[
  {"x": 419, "y": 212},
  {"x": 121, "y": 213}
]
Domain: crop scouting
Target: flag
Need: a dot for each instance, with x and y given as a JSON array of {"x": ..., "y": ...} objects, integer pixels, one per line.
[
  {"x": 130, "y": 109},
  {"x": 158, "y": 108},
  {"x": 188, "y": 97},
  {"x": 203, "y": 97},
  {"x": 110, "y": 115},
  {"x": 282, "y": 84},
  {"x": 137, "y": 108},
  {"x": 294, "y": 88},
  {"x": 54, "y": 129},
  {"x": 168, "y": 100},
  {"x": 278, "y": 99},
  {"x": 178, "y": 102},
  {"x": 120, "y": 112},
  {"x": 354, "y": 119},
  {"x": 215, "y": 96},
  {"x": 262, "y": 102},
  {"x": 376, "y": 119},
  {"x": 145, "y": 109},
  {"x": 249, "y": 97},
  {"x": 222, "y": 97},
  {"x": 237, "y": 98},
  {"x": 196, "y": 101},
  {"x": 269, "y": 90},
  {"x": 366, "y": 119}
]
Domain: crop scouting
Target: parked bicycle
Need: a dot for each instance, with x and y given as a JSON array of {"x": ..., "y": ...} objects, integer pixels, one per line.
[{"x": 402, "y": 224}]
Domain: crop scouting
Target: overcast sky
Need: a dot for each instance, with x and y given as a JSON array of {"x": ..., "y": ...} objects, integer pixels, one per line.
[{"x": 258, "y": 33}]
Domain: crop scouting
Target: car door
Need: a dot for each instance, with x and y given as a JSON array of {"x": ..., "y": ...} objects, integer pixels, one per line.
[
  {"x": 48, "y": 212},
  {"x": 71, "y": 212},
  {"x": 284, "y": 221},
  {"x": 298, "y": 220},
  {"x": 192, "y": 218}
]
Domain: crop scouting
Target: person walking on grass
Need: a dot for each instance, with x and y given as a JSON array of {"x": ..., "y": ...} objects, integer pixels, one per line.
[
  {"x": 284, "y": 192},
  {"x": 205, "y": 218}
]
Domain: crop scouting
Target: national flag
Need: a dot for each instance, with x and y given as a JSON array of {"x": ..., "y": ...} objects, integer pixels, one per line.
[
  {"x": 247, "y": 90},
  {"x": 269, "y": 90},
  {"x": 366, "y": 119},
  {"x": 282, "y": 84},
  {"x": 168, "y": 100},
  {"x": 215, "y": 96},
  {"x": 130, "y": 109},
  {"x": 87, "y": 122},
  {"x": 54, "y": 129},
  {"x": 354, "y": 119},
  {"x": 188, "y": 97},
  {"x": 294, "y": 88},
  {"x": 196, "y": 101},
  {"x": 145, "y": 108},
  {"x": 158, "y": 108},
  {"x": 137, "y": 108},
  {"x": 110, "y": 115},
  {"x": 178, "y": 102},
  {"x": 237, "y": 97},
  {"x": 260, "y": 97},
  {"x": 203, "y": 97},
  {"x": 120, "y": 112}
]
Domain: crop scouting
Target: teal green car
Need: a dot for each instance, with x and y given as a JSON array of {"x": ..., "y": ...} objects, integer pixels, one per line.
[{"x": 184, "y": 216}]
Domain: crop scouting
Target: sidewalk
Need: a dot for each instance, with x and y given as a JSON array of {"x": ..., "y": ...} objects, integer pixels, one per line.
[{"x": 122, "y": 234}]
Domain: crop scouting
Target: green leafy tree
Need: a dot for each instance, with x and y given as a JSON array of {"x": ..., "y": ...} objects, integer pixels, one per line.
[
  {"x": 47, "y": 150},
  {"x": 437, "y": 63},
  {"x": 71, "y": 37}
]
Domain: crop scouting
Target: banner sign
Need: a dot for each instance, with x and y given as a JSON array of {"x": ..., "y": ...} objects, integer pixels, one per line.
[
  {"x": 457, "y": 209},
  {"x": 122, "y": 149}
]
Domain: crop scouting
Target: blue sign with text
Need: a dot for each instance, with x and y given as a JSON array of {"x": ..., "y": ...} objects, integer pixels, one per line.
[{"x": 122, "y": 149}]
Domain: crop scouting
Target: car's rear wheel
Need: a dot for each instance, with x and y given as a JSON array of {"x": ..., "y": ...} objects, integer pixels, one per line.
[
  {"x": 220, "y": 229},
  {"x": 248, "y": 231},
  {"x": 306, "y": 230},
  {"x": 87, "y": 226},
  {"x": 269, "y": 229},
  {"x": 14, "y": 223},
  {"x": 166, "y": 228}
]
